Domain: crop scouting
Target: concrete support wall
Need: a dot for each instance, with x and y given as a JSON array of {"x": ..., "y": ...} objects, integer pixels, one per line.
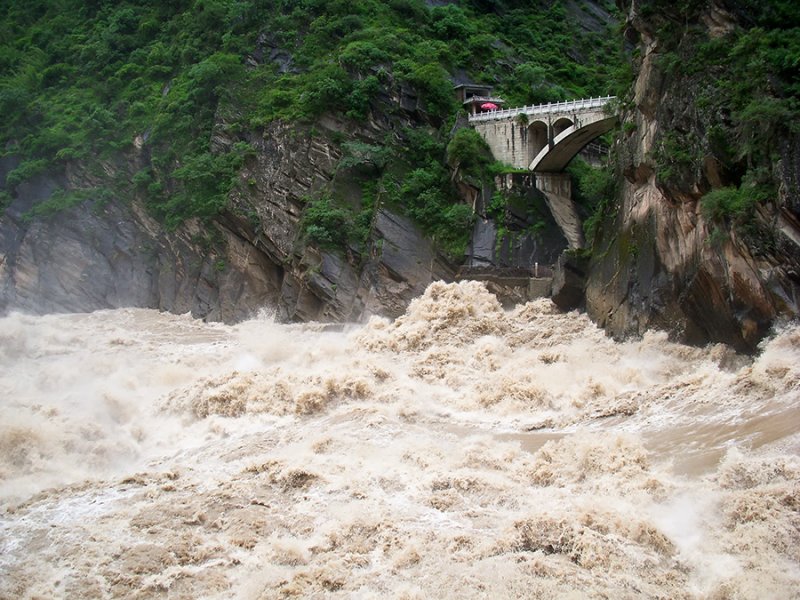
[
  {"x": 508, "y": 141},
  {"x": 546, "y": 138}
]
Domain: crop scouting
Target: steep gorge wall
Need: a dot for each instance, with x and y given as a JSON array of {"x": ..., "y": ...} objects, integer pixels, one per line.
[
  {"x": 109, "y": 254},
  {"x": 657, "y": 262},
  {"x": 293, "y": 163},
  {"x": 112, "y": 253}
]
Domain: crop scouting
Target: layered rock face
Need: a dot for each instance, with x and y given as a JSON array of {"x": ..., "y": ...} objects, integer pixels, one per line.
[
  {"x": 397, "y": 265},
  {"x": 656, "y": 263},
  {"x": 112, "y": 254}
]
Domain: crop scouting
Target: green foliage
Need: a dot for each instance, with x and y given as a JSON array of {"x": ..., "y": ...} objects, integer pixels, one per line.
[
  {"x": 433, "y": 83},
  {"x": 469, "y": 153},
  {"x": 81, "y": 81},
  {"x": 336, "y": 226},
  {"x": 426, "y": 198},
  {"x": 744, "y": 88},
  {"x": 362, "y": 55},
  {"x": 360, "y": 154},
  {"x": 677, "y": 158},
  {"x": 734, "y": 205},
  {"x": 498, "y": 168},
  {"x": 5, "y": 201},
  {"x": 201, "y": 185},
  {"x": 557, "y": 59},
  {"x": 594, "y": 190},
  {"x": 327, "y": 225},
  {"x": 26, "y": 170},
  {"x": 61, "y": 200},
  {"x": 592, "y": 185},
  {"x": 516, "y": 213},
  {"x": 719, "y": 204},
  {"x": 427, "y": 195}
]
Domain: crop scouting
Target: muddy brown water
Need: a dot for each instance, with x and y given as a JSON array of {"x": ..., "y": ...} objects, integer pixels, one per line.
[{"x": 460, "y": 451}]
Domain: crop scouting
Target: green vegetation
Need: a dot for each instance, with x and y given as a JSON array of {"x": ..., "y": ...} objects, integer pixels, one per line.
[
  {"x": 731, "y": 207},
  {"x": 26, "y": 170},
  {"x": 594, "y": 190},
  {"x": 63, "y": 199},
  {"x": 518, "y": 212},
  {"x": 327, "y": 225},
  {"x": 677, "y": 157},
  {"x": 81, "y": 81},
  {"x": 557, "y": 60},
  {"x": 407, "y": 173},
  {"x": 469, "y": 153},
  {"x": 735, "y": 204},
  {"x": 5, "y": 200},
  {"x": 741, "y": 91},
  {"x": 726, "y": 202}
]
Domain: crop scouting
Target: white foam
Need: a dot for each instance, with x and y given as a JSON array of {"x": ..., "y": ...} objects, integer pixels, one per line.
[{"x": 392, "y": 459}]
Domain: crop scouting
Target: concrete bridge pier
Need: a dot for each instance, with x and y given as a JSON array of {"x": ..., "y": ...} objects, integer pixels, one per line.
[{"x": 557, "y": 190}]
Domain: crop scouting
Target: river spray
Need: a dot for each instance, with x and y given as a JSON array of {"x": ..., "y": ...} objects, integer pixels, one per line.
[{"x": 460, "y": 451}]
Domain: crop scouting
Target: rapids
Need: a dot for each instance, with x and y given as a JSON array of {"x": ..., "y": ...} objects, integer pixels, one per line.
[{"x": 460, "y": 451}]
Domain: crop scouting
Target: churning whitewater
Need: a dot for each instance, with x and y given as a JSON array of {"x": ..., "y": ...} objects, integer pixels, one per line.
[{"x": 460, "y": 451}]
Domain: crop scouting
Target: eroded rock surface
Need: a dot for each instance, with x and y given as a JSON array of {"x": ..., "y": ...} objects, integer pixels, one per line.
[
  {"x": 657, "y": 264},
  {"x": 111, "y": 254}
]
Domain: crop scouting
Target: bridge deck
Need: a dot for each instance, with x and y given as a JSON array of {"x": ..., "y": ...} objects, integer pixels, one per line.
[{"x": 542, "y": 109}]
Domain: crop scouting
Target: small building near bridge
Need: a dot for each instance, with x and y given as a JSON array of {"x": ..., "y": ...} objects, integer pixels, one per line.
[{"x": 474, "y": 96}]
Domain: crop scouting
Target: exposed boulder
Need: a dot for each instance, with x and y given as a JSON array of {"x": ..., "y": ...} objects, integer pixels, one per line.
[{"x": 569, "y": 281}]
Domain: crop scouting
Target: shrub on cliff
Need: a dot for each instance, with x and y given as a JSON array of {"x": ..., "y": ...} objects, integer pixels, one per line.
[
  {"x": 734, "y": 204},
  {"x": 469, "y": 153},
  {"x": 736, "y": 94},
  {"x": 327, "y": 225}
]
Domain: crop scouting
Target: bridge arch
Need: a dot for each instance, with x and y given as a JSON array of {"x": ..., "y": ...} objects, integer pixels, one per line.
[
  {"x": 537, "y": 138},
  {"x": 562, "y": 124},
  {"x": 554, "y": 157},
  {"x": 544, "y": 139}
]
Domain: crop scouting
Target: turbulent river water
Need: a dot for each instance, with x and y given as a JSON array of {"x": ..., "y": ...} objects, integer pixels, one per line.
[{"x": 460, "y": 451}]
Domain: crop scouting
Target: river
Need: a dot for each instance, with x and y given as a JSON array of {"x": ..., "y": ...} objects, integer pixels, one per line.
[{"x": 460, "y": 451}]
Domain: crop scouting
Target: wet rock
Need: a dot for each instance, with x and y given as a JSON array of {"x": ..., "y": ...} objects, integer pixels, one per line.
[
  {"x": 569, "y": 281},
  {"x": 657, "y": 262},
  {"x": 107, "y": 255},
  {"x": 403, "y": 265}
]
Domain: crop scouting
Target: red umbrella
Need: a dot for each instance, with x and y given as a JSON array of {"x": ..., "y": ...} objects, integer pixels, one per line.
[{"x": 488, "y": 106}]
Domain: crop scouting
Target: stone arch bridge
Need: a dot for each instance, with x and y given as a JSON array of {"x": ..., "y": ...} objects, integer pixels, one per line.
[{"x": 543, "y": 139}]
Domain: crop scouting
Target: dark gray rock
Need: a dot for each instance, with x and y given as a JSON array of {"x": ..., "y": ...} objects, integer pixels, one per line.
[
  {"x": 114, "y": 254},
  {"x": 96, "y": 256},
  {"x": 569, "y": 281},
  {"x": 482, "y": 245},
  {"x": 403, "y": 263},
  {"x": 520, "y": 247}
]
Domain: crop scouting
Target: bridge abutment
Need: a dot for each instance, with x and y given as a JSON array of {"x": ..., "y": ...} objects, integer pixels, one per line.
[{"x": 557, "y": 190}]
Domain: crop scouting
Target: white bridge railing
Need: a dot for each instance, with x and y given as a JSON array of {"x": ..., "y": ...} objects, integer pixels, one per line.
[{"x": 542, "y": 109}]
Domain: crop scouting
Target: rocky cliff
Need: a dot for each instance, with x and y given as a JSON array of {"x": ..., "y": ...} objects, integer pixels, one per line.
[
  {"x": 181, "y": 171},
  {"x": 108, "y": 253},
  {"x": 663, "y": 258}
]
